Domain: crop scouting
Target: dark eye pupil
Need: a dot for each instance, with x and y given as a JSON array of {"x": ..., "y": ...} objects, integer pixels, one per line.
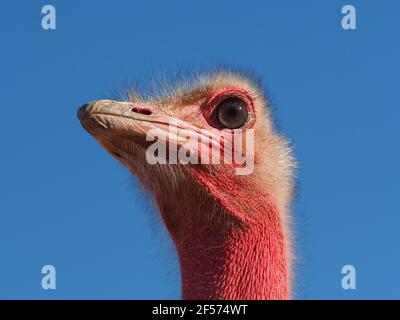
[{"x": 231, "y": 113}]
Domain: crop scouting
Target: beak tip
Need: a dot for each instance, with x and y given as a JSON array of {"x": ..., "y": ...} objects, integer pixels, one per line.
[{"x": 83, "y": 111}]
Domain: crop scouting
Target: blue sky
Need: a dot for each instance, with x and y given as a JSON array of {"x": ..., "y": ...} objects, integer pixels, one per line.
[{"x": 65, "y": 202}]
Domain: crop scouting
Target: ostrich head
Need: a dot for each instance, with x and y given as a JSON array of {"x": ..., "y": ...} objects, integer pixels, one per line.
[{"x": 228, "y": 218}]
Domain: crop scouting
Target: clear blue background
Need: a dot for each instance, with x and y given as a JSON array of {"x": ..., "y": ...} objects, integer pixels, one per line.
[{"x": 64, "y": 201}]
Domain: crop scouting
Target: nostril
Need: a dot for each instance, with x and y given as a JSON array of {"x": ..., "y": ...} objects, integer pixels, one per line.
[{"x": 141, "y": 111}]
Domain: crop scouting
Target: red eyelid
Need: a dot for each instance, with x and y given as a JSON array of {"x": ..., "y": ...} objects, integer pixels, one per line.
[{"x": 209, "y": 106}]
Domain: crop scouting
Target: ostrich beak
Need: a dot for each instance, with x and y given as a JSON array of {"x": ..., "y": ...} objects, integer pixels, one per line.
[
  {"x": 118, "y": 122},
  {"x": 109, "y": 117},
  {"x": 120, "y": 119}
]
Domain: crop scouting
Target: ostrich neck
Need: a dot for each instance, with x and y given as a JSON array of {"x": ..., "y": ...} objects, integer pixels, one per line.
[
  {"x": 245, "y": 264},
  {"x": 246, "y": 260}
]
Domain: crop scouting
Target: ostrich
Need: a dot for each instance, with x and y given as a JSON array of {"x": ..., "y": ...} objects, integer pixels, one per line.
[{"x": 231, "y": 231}]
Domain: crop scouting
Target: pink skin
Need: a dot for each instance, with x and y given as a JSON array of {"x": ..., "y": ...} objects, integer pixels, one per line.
[{"x": 243, "y": 261}]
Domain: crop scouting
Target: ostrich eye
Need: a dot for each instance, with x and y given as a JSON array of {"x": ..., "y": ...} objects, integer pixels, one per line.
[{"x": 231, "y": 113}]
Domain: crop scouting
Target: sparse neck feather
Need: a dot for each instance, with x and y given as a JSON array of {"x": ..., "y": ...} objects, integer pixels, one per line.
[{"x": 247, "y": 260}]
